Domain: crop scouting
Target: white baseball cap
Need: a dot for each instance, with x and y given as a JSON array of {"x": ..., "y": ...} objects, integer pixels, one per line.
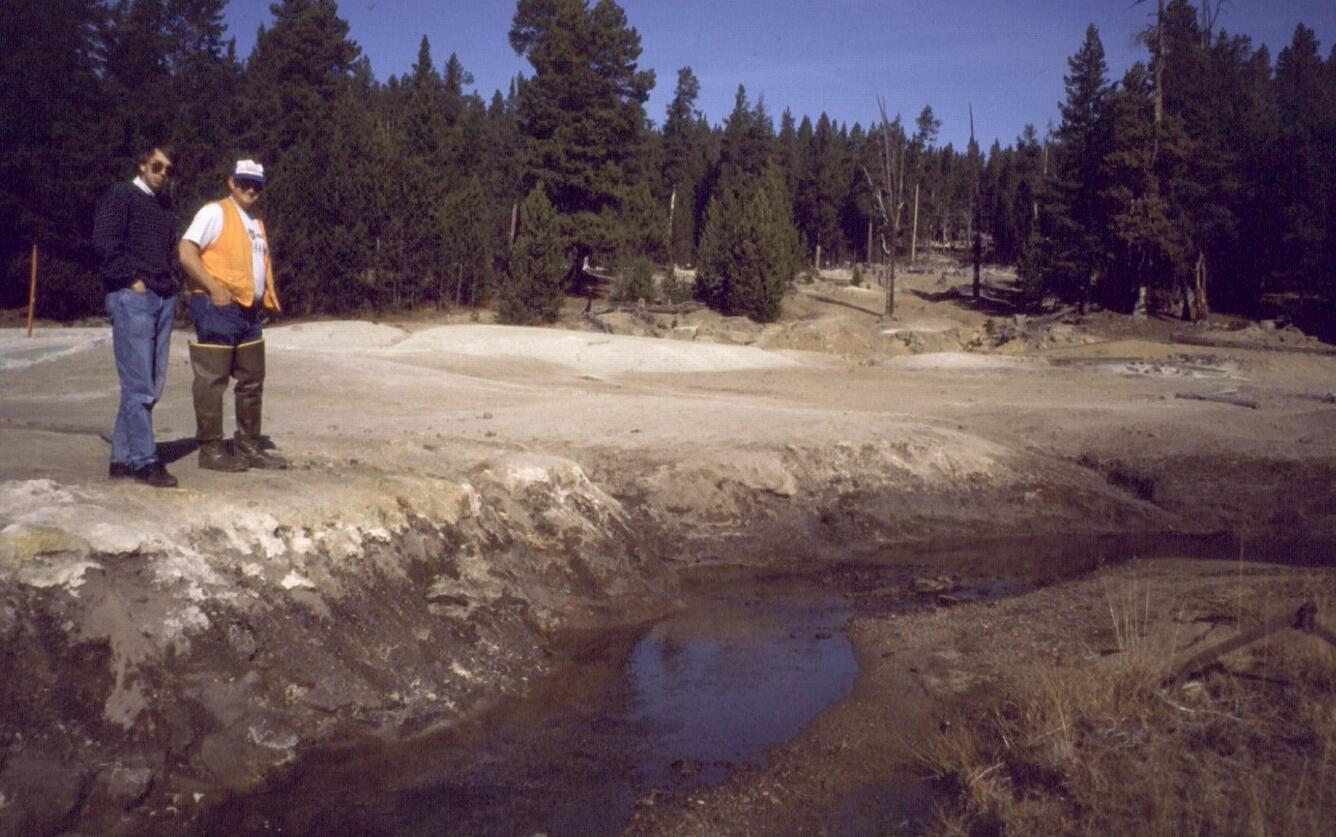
[{"x": 249, "y": 170}]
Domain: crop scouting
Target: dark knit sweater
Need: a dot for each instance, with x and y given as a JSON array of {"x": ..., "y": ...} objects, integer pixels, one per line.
[{"x": 135, "y": 236}]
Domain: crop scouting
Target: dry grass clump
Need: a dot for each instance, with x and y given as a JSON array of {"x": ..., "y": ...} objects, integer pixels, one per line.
[{"x": 1099, "y": 746}]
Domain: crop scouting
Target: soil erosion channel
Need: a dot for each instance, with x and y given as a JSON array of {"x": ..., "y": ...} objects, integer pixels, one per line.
[{"x": 641, "y": 715}]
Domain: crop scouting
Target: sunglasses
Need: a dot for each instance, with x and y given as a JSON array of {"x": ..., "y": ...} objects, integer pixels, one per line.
[
  {"x": 248, "y": 185},
  {"x": 159, "y": 167}
]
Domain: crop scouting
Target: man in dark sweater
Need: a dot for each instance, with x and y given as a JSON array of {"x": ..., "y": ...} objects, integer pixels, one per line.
[{"x": 135, "y": 236}]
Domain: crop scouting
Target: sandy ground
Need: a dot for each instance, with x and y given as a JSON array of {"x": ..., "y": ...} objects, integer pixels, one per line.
[{"x": 505, "y": 481}]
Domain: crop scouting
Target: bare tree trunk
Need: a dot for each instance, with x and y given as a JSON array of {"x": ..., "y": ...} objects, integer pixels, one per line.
[
  {"x": 1159, "y": 72},
  {"x": 974, "y": 222},
  {"x": 1203, "y": 307},
  {"x": 1159, "y": 105},
  {"x": 978, "y": 254},
  {"x": 869, "y": 241},
  {"x": 514, "y": 221},
  {"x": 32, "y": 289},
  {"x": 459, "y": 283},
  {"x": 890, "y": 289},
  {"x": 816, "y": 264},
  {"x": 913, "y": 237},
  {"x": 889, "y": 196},
  {"x": 672, "y": 208}
]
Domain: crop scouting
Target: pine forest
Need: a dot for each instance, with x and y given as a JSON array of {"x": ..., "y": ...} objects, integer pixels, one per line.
[{"x": 1203, "y": 179}]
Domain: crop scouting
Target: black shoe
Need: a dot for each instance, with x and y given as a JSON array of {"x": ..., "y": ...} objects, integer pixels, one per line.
[
  {"x": 154, "y": 474},
  {"x": 120, "y": 471}
]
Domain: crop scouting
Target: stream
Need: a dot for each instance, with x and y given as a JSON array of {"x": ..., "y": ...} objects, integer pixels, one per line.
[{"x": 678, "y": 704}]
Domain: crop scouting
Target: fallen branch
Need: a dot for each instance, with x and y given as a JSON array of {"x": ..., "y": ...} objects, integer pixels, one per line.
[
  {"x": 1219, "y": 399},
  {"x": 633, "y": 307},
  {"x": 830, "y": 300},
  {"x": 1303, "y": 620}
]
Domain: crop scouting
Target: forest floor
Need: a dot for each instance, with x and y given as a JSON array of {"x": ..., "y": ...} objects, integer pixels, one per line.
[{"x": 464, "y": 495}]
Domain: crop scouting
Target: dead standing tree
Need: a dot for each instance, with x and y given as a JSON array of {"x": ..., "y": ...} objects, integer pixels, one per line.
[
  {"x": 889, "y": 196},
  {"x": 975, "y": 210}
]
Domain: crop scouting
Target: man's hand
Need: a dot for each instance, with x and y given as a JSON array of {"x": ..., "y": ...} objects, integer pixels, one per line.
[{"x": 189, "y": 253}]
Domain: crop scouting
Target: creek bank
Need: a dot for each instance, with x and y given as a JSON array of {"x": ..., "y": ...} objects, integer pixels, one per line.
[{"x": 157, "y": 661}]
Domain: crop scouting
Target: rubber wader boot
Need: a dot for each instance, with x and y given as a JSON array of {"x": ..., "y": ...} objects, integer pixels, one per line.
[
  {"x": 249, "y": 372},
  {"x": 213, "y": 366}
]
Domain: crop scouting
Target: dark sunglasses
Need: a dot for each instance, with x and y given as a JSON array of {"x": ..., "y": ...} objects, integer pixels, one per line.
[
  {"x": 159, "y": 167},
  {"x": 249, "y": 185}
]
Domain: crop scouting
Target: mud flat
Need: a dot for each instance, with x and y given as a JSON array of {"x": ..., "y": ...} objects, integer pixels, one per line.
[{"x": 467, "y": 499}]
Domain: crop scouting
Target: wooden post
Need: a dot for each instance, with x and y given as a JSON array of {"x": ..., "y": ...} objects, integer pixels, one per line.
[
  {"x": 32, "y": 289},
  {"x": 913, "y": 237}
]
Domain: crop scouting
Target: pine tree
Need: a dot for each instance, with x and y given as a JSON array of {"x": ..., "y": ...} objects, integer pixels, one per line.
[
  {"x": 533, "y": 289},
  {"x": 1301, "y": 92},
  {"x": 820, "y": 189},
  {"x": 747, "y": 146},
  {"x": 418, "y": 178},
  {"x": 1078, "y": 220},
  {"x": 474, "y": 237},
  {"x": 685, "y": 164},
  {"x": 206, "y": 79},
  {"x": 749, "y": 251},
  {"x": 299, "y": 87},
  {"x": 55, "y": 162},
  {"x": 582, "y": 113},
  {"x": 1144, "y": 244},
  {"x": 137, "y": 74}
]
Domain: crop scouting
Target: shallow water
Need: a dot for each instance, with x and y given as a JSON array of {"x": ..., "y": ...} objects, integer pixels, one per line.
[
  {"x": 745, "y": 666},
  {"x": 715, "y": 685}
]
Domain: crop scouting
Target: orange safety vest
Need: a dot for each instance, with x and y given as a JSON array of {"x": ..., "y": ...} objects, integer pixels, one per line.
[{"x": 229, "y": 260}]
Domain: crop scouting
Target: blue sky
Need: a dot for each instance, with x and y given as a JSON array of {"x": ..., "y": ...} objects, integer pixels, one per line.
[{"x": 1007, "y": 59}]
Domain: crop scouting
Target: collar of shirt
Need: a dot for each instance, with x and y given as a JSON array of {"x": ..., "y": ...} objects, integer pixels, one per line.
[
  {"x": 245, "y": 214},
  {"x": 143, "y": 187}
]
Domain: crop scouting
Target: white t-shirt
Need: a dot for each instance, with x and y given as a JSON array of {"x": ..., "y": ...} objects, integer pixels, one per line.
[{"x": 208, "y": 225}]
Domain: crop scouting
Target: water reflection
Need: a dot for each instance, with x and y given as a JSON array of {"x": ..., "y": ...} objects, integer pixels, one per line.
[{"x": 716, "y": 685}]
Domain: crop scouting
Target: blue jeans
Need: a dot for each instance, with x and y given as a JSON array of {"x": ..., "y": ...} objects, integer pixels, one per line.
[
  {"x": 224, "y": 325},
  {"x": 141, "y": 335}
]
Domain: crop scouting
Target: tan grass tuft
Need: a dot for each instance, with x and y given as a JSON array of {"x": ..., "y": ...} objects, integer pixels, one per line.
[{"x": 1096, "y": 746}]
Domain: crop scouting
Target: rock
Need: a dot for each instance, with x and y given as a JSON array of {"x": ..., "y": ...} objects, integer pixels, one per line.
[
  {"x": 327, "y": 698},
  {"x": 121, "y": 788},
  {"x": 242, "y": 640},
  {"x": 939, "y": 584},
  {"x": 295, "y": 581},
  {"x": 20, "y": 543},
  {"x": 37, "y": 794},
  {"x": 241, "y": 757}
]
